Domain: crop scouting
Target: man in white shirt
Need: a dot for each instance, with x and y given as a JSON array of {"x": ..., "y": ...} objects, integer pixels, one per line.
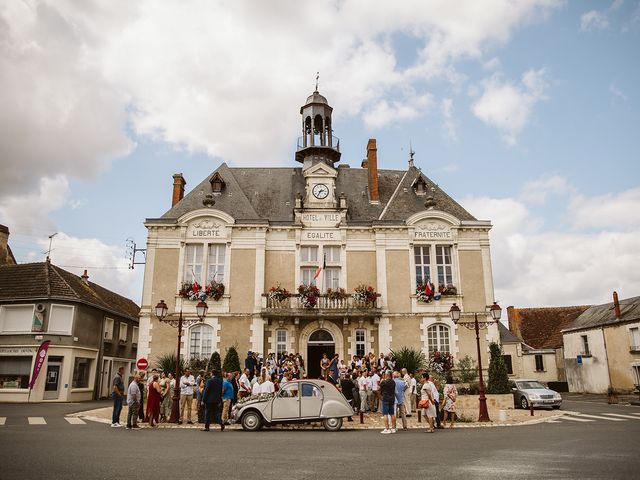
[
  {"x": 414, "y": 390},
  {"x": 257, "y": 388},
  {"x": 267, "y": 386},
  {"x": 133, "y": 401},
  {"x": 245, "y": 384},
  {"x": 436, "y": 399},
  {"x": 407, "y": 391},
  {"x": 186, "y": 395},
  {"x": 375, "y": 388},
  {"x": 362, "y": 390}
]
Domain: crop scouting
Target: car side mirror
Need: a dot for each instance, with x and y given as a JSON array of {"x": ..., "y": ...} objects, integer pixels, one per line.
[{"x": 513, "y": 389}]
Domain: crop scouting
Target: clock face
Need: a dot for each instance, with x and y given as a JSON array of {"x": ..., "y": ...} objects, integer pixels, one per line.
[{"x": 320, "y": 191}]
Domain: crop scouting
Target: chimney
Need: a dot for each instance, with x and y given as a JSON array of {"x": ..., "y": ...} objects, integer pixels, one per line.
[
  {"x": 178, "y": 188},
  {"x": 85, "y": 277},
  {"x": 616, "y": 305},
  {"x": 515, "y": 321},
  {"x": 372, "y": 166}
]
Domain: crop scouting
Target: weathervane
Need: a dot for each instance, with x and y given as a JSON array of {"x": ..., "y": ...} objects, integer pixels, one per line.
[
  {"x": 317, "y": 78},
  {"x": 411, "y": 154}
]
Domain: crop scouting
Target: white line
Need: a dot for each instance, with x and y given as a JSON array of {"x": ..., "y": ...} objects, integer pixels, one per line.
[
  {"x": 575, "y": 419},
  {"x": 3, "y": 420},
  {"x": 36, "y": 421},
  {"x": 622, "y": 416},
  {"x": 635, "y": 413},
  {"x": 602, "y": 418},
  {"x": 75, "y": 421}
]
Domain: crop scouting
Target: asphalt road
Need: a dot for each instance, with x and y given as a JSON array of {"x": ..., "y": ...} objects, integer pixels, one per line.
[{"x": 594, "y": 448}]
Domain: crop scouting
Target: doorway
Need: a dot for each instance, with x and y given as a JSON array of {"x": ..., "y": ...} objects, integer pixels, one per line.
[
  {"x": 52, "y": 380},
  {"x": 320, "y": 342}
]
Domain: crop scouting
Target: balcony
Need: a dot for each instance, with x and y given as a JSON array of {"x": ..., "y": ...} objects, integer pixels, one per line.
[{"x": 294, "y": 306}]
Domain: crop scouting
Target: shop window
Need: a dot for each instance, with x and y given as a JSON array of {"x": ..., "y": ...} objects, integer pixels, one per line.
[
  {"x": 443, "y": 262},
  {"x": 281, "y": 342},
  {"x": 16, "y": 318},
  {"x": 108, "y": 328},
  {"x": 438, "y": 338},
  {"x": 539, "y": 363},
  {"x": 61, "y": 319},
  {"x": 215, "y": 270},
  {"x": 201, "y": 341},
  {"x": 15, "y": 372},
  {"x": 508, "y": 363},
  {"x": 361, "y": 342},
  {"x": 81, "y": 372},
  {"x": 422, "y": 259}
]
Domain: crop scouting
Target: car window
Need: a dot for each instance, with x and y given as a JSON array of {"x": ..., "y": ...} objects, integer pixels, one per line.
[
  {"x": 310, "y": 390},
  {"x": 289, "y": 391},
  {"x": 530, "y": 385}
]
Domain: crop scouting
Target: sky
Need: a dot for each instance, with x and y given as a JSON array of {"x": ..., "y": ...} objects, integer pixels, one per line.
[{"x": 526, "y": 112}]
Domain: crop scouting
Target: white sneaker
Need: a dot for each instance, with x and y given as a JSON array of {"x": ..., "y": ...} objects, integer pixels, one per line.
[
  {"x": 393, "y": 430},
  {"x": 116, "y": 425},
  {"x": 385, "y": 431}
]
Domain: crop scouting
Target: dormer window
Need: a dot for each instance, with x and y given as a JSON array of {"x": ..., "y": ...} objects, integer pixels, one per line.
[
  {"x": 217, "y": 184},
  {"x": 420, "y": 186}
]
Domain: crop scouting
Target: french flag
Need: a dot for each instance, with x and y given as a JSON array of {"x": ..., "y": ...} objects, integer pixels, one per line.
[{"x": 319, "y": 270}]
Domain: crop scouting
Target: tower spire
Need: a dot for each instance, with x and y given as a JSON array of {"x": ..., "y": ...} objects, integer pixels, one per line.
[{"x": 411, "y": 154}]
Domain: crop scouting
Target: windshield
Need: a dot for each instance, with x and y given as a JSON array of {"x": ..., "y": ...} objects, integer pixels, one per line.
[{"x": 530, "y": 385}]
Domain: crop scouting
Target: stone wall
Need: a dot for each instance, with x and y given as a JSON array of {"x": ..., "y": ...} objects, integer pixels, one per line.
[{"x": 470, "y": 403}]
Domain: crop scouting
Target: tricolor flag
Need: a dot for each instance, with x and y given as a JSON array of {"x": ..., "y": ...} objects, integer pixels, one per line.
[
  {"x": 319, "y": 271},
  {"x": 427, "y": 287}
]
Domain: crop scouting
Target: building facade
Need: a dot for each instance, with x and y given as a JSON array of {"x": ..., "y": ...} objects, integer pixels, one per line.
[{"x": 333, "y": 226}]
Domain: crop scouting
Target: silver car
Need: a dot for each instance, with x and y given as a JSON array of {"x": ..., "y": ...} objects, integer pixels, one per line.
[
  {"x": 298, "y": 401},
  {"x": 531, "y": 392}
]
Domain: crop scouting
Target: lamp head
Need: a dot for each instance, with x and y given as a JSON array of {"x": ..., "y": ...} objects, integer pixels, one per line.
[
  {"x": 201, "y": 309},
  {"x": 454, "y": 313},
  {"x": 496, "y": 311},
  {"x": 161, "y": 310}
]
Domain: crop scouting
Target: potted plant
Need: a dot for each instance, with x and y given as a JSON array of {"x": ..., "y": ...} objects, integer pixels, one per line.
[
  {"x": 278, "y": 293},
  {"x": 365, "y": 294},
  {"x": 448, "y": 289},
  {"x": 425, "y": 291},
  {"x": 337, "y": 295},
  {"x": 309, "y": 295}
]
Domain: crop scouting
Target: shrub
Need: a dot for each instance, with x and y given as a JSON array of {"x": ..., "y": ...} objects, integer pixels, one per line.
[
  {"x": 409, "y": 358},
  {"x": 214, "y": 362},
  {"x": 197, "y": 364},
  {"x": 467, "y": 370},
  {"x": 498, "y": 375},
  {"x": 167, "y": 363},
  {"x": 231, "y": 360}
]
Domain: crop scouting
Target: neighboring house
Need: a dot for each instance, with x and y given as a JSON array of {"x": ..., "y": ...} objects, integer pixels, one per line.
[
  {"x": 92, "y": 330},
  {"x": 540, "y": 330},
  {"x": 253, "y": 229},
  {"x": 6, "y": 255},
  {"x": 602, "y": 347}
]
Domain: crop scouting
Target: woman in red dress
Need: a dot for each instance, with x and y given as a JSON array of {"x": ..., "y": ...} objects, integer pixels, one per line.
[{"x": 153, "y": 402}]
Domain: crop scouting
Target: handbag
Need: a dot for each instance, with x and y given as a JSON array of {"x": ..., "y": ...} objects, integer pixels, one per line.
[{"x": 423, "y": 403}]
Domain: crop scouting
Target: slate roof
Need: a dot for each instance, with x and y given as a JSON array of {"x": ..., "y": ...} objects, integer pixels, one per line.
[
  {"x": 43, "y": 281},
  {"x": 602, "y": 315},
  {"x": 541, "y": 328},
  {"x": 268, "y": 195},
  {"x": 506, "y": 336}
]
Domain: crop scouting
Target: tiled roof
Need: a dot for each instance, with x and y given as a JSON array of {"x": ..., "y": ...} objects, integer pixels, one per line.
[
  {"x": 542, "y": 327},
  {"x": 40, "y": 281},
  {"x": 601, "y": 315},
  {"x": 268, "y": 194}
]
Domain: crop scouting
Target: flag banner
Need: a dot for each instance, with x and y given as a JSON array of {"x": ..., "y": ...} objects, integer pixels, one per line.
[
  {"x": 324, "y": 265},
  {"x": 40, "y": 356}
]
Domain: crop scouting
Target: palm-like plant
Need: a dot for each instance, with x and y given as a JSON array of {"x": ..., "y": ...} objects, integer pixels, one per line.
[
  {"x": 409, "y": 358},
  {"x": 167, "y": 363}
]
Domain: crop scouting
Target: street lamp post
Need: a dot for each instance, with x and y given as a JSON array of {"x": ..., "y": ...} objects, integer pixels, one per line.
[
  {"x": 496, "y": 312},
  {"x": 161, "y": 313}
]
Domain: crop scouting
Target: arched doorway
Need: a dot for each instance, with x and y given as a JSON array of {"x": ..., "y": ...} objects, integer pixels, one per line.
[{"x": 320, "y": 342}]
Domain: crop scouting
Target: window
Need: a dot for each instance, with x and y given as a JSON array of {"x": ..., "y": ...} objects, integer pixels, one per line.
[
  {"x": 193, "y": 263},
  {"x": 310, "y": 390},
  {"x": 61, "y": 319},
  {"x": 15, "y": 372},
  {"x": 201, "y": 341},
  {"x": 16, "y": 318},
  {"x": 423, "y": 260},
  {"x": 332, "y": 254},
  {"x": 539, "y": 363},
  {"x": 135, "y": 335},
  {"x": 438, "y": 338},
  {"x": 585, "y": 345},
  {"x": 281, "y": 342},
  {"x": 123, "y": 332},
  {"x": 309, "y": 253},
  {"x": 306, "y": 275},
  {"x": 361, "y": 342},
  {"x": 331, "y": 278},
  {"x": 443, "y": 261},
  {"x": 508, "y": 363},
  {"x": 215, "y": 270},
  {"x": 635, "y": 338},
  {"x": 81, "y": 372},
  {"x": 289, "y": 390},
  {"x": 636, "y": 373},
  {"x": 108, "y": 328}
]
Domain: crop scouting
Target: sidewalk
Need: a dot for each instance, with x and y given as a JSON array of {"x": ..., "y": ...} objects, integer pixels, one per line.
[
  {"x": 626, "y": 399},
  {"x": 372, "y": 421}
]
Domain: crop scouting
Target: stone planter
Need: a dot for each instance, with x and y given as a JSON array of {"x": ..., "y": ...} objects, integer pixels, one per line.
[{"x": 494, "y": 401}]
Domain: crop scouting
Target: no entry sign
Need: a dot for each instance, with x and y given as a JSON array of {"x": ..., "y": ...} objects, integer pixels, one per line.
[{"x": 142, "y": 364}]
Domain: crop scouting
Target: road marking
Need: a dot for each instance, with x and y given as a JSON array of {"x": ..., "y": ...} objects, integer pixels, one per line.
[
  {"x": 3, "y": 420},
  {"x": 602, "y": 418},
  {"x": 635, "y": 413},
  {"x": 36, "y": 421},
  {"x": 622, "y": 416},
  {"x": 576, "y": 419},
  {"x": 75, "y": 421}
]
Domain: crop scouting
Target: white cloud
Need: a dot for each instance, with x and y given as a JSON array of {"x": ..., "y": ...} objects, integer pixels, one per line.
[
  {"x": 616, "y": 92},
  {"x": 385, "y": 113},
  {"x": 583, "y": 265},
  {"x": 492, "y": 64},
  {"x": 618, "y": 211},
  {"x": 537, "y": 191},
  {"x": 508, "y": 107},
  {"x": 448, "y": 123},
  {"x": 593, "y": 20}
]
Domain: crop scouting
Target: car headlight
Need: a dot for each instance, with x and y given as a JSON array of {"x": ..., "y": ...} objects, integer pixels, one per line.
[
  {"x": 534, "y": 396},
  {"x": 557, "y": 396}
]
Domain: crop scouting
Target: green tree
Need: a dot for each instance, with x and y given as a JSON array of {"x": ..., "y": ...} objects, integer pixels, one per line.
[
  {"x": 167, "y": 363},
  {"x": 467, "y": 370},
  {"x": 214, "y": 362},
  {"x": 498, "y": 376},
  {"x": 231, "y": 360},
  {"x": 410, "y": 358}
]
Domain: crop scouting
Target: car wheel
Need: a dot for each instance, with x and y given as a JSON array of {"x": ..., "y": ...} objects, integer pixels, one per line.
[
  {"x": 524, "y": 403},
  {"x": 332, "y": 424},
  {"x": 251, "y": 421}
]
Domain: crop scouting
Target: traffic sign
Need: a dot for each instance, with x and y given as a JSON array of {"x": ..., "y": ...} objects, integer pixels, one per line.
[{"x": 142, "y": 364}]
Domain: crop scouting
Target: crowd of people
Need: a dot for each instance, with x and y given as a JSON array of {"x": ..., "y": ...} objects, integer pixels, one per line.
[{"x": 368, "y": 383}]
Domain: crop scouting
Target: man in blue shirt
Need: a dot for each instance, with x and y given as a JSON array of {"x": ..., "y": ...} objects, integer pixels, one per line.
[
  {"x": 227, "y": 398},
  {"x": 401, "y": 386}
]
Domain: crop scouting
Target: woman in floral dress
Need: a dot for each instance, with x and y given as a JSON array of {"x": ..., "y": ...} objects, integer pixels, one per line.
[{"x": 450, "y": 394}]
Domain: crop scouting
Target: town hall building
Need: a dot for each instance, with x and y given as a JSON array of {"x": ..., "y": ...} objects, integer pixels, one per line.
[{"x": 388, "y": 251}]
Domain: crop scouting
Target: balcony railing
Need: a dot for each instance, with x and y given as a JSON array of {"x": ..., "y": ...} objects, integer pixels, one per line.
[
  {"x": 324, "y": 306},
  {"x": 335, "y": 143}
]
